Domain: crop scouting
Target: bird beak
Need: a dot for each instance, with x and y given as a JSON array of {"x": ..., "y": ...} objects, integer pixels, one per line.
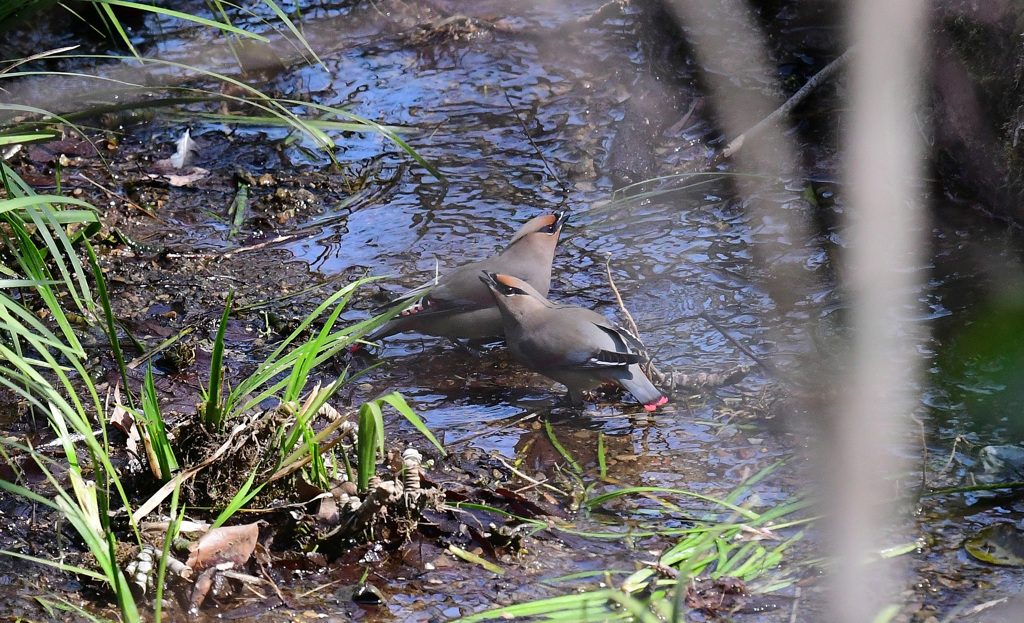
[
  {"x": 489, "y": 280},
  {"x": 562, "y": 217}
]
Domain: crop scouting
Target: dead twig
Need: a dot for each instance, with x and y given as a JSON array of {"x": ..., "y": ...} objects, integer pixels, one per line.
[
  {"x": 647, "y": 363},
  {"x": 709, "y": 380},
  {"x": 492, "y": 431},
  {"x": 952, "y": 453},
  {"x": 787, "y": 107},
  {"x": 769, "y": 368},
  {"x": 120, "y": 197},
  {"x": 533, "y": 481},
  {"x": 795, "y": 100},
  {"x": 678, "y": 125},
  {"x": 618, "y": 298},
  {"x": 796, "y": 605},
  {"x": 671, "y": 383},
  {"x": 526, "y": 132},
  {"x": 924, "y": 451},
  {"x": 662, "y": 569},
  {"x": 265, "y": 243},
  {"x": 273, "y": 585}
]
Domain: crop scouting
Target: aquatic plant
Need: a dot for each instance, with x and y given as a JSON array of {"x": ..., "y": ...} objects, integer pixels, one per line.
[{"x": 734, "y": 549}]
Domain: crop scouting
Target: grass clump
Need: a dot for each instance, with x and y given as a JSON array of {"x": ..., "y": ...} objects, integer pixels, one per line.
[
  {"x": 728, "y": 550},
  {"x": 46, "y": 292}
]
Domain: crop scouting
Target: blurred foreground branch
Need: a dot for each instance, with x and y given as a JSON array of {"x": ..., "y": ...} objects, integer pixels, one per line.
[{"x": 787, "y": 107}]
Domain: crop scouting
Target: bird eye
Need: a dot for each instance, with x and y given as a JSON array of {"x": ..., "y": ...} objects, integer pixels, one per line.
[{"x": 550, "y": 229}]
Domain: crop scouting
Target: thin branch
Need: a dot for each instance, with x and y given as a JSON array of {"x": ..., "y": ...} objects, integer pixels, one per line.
[
  {"x": 111, "y": 193},
  {"x": 618, "y": 298},
  {"x": 672, "y": 382},
  {"x": 526, "y": 131},
  {"x": 493, "y": 431},
  {"x": 769, "y": 368},
  {"x": 795, "y": 100}
]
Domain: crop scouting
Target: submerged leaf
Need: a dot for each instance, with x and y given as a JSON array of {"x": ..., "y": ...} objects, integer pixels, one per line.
[
  {"x": 998, "y": 544},
  {"x": 471, "y": 557}
]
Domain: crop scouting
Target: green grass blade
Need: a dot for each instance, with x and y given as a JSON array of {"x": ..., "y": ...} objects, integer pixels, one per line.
[
  {"x": 580, "y": 607},
  {"x": 601, "y": 499},
  {"x": 473, "y": 558},
  {"x": 366, "y": 443},
  {"x": 240, "y": 499},
  {"x": 214, "y": 411},
  {"x": 397, "y": 401},
  {"x": 239, "y": 208},
  {"x": 108, "y": 315},
  {"x": 112, "y": 20},
  {"x": 281, "y": 15},
  {"x": 383, "y": 131},
  {"x": 553, "y": 438},
  {"x": 155, "y": 427},
  {"x": 82, "y": 571},
  {"x": 176, "y": 515},
  {"x": 186, "y": 17}
]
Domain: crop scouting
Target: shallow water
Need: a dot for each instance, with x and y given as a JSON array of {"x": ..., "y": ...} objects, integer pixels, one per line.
[{"x": 466, "y": 103}]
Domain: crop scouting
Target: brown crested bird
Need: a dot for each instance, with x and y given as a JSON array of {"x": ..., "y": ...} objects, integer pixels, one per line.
[
  {"x": 577, "y": 347},
  {"x": 459, "y": 306}
]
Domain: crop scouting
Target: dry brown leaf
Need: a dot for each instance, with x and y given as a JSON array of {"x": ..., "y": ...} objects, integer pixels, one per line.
[
  {"x": 749, "y": 533},
  {"x": 724, "y": 594},
  {"x": 184, "y": 177},
  {"x": 233, "y": 544},
  {"x": 125, "y": 421}
]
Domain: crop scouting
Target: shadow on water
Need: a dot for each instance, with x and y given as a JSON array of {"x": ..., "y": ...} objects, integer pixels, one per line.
[{"x": 522, "y": 124}]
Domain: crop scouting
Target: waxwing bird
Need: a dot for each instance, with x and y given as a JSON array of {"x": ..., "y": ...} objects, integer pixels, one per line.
[
  {"x": 459, "y": 306},
  {"x": 577, "y": 347}
]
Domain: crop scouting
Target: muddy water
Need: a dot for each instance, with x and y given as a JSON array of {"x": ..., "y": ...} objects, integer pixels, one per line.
[{"x": 526, "y": 122}]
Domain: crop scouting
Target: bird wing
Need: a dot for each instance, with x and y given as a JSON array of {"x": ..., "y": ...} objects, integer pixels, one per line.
[
  {"x": 409, "y": 298},
  {"x": 607, "y": 346},
  {"x": 456, "y": 292},
  {"x": 610, "y": 358}
]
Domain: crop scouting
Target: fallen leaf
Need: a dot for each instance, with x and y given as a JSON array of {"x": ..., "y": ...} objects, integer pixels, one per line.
[
  {"x": 125, "y": 421},
  {"x": 998, "y": 544},
  {"x": 725, "y": 594},
  {"x": 184, "y": 177},
  {"x": 231, "y": 544}
]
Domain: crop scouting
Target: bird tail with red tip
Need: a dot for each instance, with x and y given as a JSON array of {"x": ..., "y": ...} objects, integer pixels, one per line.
[
  {"x": 641, "y": 387},
  {"x": 651, "y": 406}
]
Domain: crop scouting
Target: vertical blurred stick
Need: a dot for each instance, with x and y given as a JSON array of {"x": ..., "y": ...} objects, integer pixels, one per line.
[
  {"x": 884, "y": 222},
  {"x": 861, "y": 431}
]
